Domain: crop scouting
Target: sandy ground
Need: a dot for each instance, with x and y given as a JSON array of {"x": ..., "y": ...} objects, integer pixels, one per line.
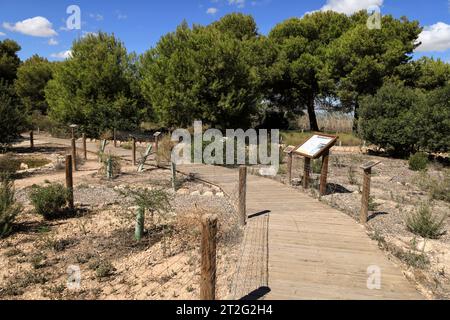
[{"x": 45, "y": 259}]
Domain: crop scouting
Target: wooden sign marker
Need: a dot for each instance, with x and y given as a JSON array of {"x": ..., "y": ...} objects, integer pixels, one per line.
[
  {"x": 367, "y": 167},
  {"x": 84, "y": 146},
  {"x": 242, "y": 206},
  {"x": 290, "y": 156},
  {"x": 133, "y": 150},
  {"x": 317, "y": 146},
  {"x": 69, "y": 181},
  {"x": 208, "y": 258},
  {"x": 74, "y": 155},
  {"x": 31, "y": 139},
  {"x": 173, "y": 168}
]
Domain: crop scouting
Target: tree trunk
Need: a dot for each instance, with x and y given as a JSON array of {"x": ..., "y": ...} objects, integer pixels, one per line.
[
  {"x": 312, "y": 116},
  {"x": 356, "y": 118}
]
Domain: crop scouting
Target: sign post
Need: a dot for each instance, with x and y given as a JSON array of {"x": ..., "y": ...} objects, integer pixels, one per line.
[
  {"x": 317, "y": 146},
  {"x": 290, "y": 159},
  {"x": 367, "y": 167}
]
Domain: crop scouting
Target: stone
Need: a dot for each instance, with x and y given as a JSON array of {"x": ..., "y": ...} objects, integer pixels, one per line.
[
  {"x": 220, "y": 194},
  {"x": 24, "y": 166},
  {"x": 208, "y": 194},
  {"x": 195, "y": 193}
]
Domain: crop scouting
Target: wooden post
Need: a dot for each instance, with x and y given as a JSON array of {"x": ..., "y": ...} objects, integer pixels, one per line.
[
  {"x": 114, "y": 137},
  {"x": 289, "y": 168},
  {"x": 242, "y": 195},
  {"x": 156, "y": 145},
  {"x": 84, "y": 146},
  {"x": 133, "y": 150},
  {"x": 173, "y": 168},
  {"x": 140, "y": 219},
  {"x": 109, "y": 169},
  {"x": 208, "y": 259},
  {"x": 69, "y": 181},
  {"x": 365, "y": 196},
  {"x": 31, "y": 139},
  {"x": 307, "y": 169},
  {"x": 324, "y": 173},
  {"x": 74, "y": 155}
]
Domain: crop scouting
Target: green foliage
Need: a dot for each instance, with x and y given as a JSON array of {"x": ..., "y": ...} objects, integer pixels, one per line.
[
  {"x": 9, "y": 60},
  {"x": 298, "y": 76},
  {"x": 424, "y": 223},
  {"x": 9, "y": 208},
  {"x": 433, "y": 121},
  {"x": 109, "y": 160},
  {"x": 49, "y": 200},
  {"x": 156, "y": 201},
  {"x": 418, "y": 161},
  {"x": 96, "y": 87},
  {"x": 388, "y": 118},
  {"x": 438, "y": 188},
  {"x": 11, "y": 119},
  {"x": 201, "y": 73},
  {"x": 361, "y": 59},
  {"x": 32, "y": 78},
  {"x": 102, "y": 268}
]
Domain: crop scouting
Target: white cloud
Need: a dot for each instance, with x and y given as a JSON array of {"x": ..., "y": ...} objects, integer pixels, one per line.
[
  {"x": 212, "y": 11},
  {"x": 36, "y": 27},
  {"x": 62, "y": 55},
  {"x": 238, "y": 3},
  {"x": 121, "y": 16},
  {"x": 350, "y": 6},
  {"x": 435, "y": 38},
  {"x": 2, "y": 34},
  {"x": 96, "y": 16},
  {"x": 53, "y": 42}
]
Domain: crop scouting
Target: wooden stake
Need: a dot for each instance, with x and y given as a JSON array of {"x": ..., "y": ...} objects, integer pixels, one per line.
[
  {"x": 31, "y": 139},
  {"x": 306, "y": 171},
  {"x": 84, "y": 146},
  {"x": 289, "y": 168},
  {"x": 365, "y": 196},
  {"x": 208, "y": 259},
  {"x": 69, "y": 181},
  {"x": 74, "y": 155},
  {"x": 242, "y": 195},
  {"x": 114, "y": 137},
  {"x": 324, "y": 173},
  {"x": 133, "y": 150},
  {"x": 173, "y": 168},
  {"x": 140, "y": 219}
]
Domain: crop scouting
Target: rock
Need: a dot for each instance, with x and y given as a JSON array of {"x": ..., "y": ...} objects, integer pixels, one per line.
[
  {"x": 220, "y": 194},
  {"x": 24, "y": 166},
  {"x": 208, "y": 194},
  {"x": 296, "y": 182},
  {"x": 195, "y": 193},
  {"x": 183, "y": 191}
]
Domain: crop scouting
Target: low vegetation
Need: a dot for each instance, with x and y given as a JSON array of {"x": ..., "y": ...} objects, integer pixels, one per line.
[
  {"x": 418, "y": 161},
  {"x": 49, "y": 200},
  {"x": 424, "y": 223},
  {"x": 9, "y": 208}
]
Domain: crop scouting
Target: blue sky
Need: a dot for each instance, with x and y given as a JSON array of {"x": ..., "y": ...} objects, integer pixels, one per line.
[{"x": 140, "y": 23}]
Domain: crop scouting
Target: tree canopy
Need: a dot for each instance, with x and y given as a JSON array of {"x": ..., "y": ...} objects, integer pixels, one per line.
[
  {"x": 32, "y": 78},
  {"x": 95, "y": 87},
  {"x": 203, "y": 73}
]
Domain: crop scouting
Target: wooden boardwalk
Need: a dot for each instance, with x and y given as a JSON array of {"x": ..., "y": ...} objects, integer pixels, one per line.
[
  {"x": 303, "y": 248},
  {"x": 313, "y": 250}
]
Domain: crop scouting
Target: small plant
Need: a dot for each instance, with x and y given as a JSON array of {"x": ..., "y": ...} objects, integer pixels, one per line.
[
  {"x": 316, "y": 166},
  {"x": 49, "y": 200},
  {"x": 351, "y": 175},
  {"x": 110, "y": 165},
  {"x": 9, "y": 209},
  {"x": 156, "y": 201},
  {"x": 372, "y": 204},
  {"x": 102, "y": 268},
  {"x": 424, "y": 223},
  {"x": 418, "y": 161}
]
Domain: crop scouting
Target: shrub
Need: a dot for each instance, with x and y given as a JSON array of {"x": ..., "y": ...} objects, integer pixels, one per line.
[
  {"x": 440, "y": 188},
  {"x": 388, "y": 119},
  {"x": 9, "y": 209},
  {"x": 49, "y": 200},
  {"x": 8, "y": 165},
  {"x": 115, "y": 165},
  {"x": 317, "y": 166},
  {"x": 418, "y": 161},
  {"x": 424, "y": 223}
]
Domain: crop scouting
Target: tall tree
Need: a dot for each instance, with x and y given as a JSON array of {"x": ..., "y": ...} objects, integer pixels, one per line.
[
  {"x": 362, "y": 58},
  {"x": 9, "y": 60},
  {"x": 94, "y": 87},
  {"x": 201, "y": 73},
  {"x": 32, "y": 78},
  {"x": 302, "y": 44}
]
